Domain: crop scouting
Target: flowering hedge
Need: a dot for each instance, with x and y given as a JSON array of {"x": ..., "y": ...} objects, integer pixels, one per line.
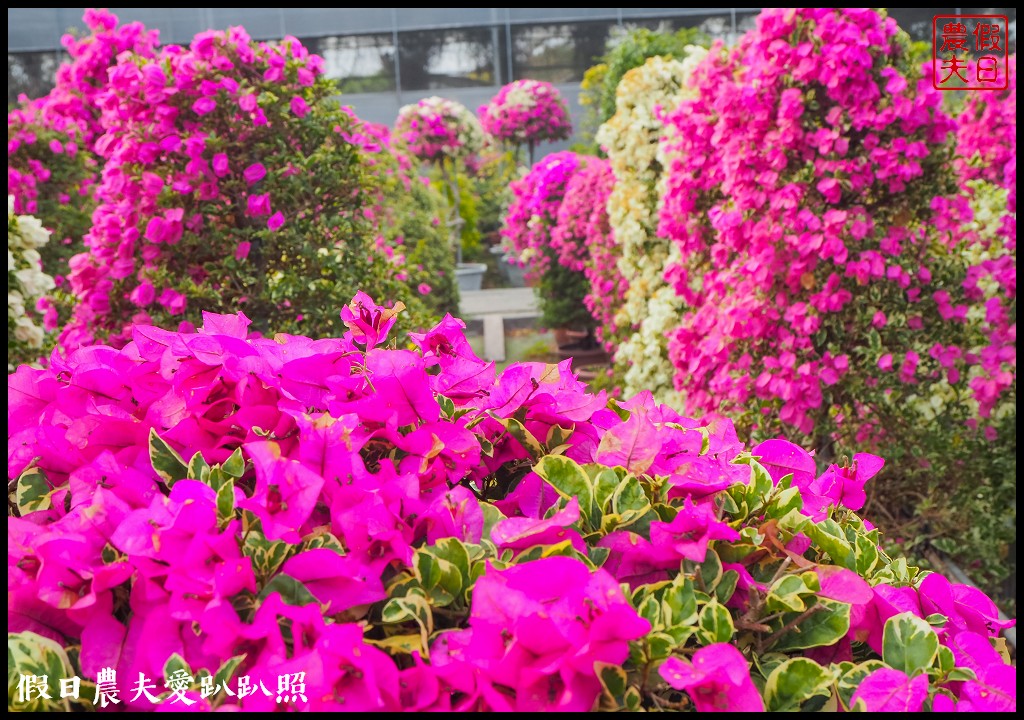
[
  {"x": 435, "y": 129},
  {"x": 775, "y": 251},
  {"x": 51, "y": 168},
  {"x": 832, "y": 281},
  {"x": 220, "y": 521},
  {"x": 26, "y": 286},
  {"x": 630, "y": 138},
  {"x": 228, "y": 184},
  {"x": 527, "y": 112}
]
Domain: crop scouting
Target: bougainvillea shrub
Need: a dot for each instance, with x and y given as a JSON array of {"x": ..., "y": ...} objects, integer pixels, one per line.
[
  {"x": 51, "y": 167},
  {"x": 585, "y": 243},
  {"x": 211, "y": 520},
  {"x": 827, "y": 282},
  {"x": 631, "y": 140},
  {"x": 27, "y": 285},
  {"x": 526, "y": 112},
  {"x": 435, "y": 129},
  {"x": 532, "y": 218},
  {"x": 408, "y": 217},
  {"x": 228, "y": 185}
]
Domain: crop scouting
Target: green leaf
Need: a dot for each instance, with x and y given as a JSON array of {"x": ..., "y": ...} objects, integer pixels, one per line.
[
  {"x": 235, "y": 464},
  {"x": 174, "y": 664},
  {"x": 526, "y": 438},
  {"x": 167, "y": 463},
  {"x": 568, "y": 479},
  {"x": 32, "y": 654},
  {"x": 629, "y": 498},
  {"x": 33, "y": 491},
  {"x": 909, "y": 644},
  {"x": 727, "y": 586},
  {"x": 784, "y": 502},
  {"x": 198, "y": 469},
  {"x": 613, "y": 679},
  {"x": 400, "y": 644},
  {"x": 413, "y": 606},
  {"x": 679, "y": 602},
  {"x": 794, "y": 682},
  {"x": 789, "y": 591},
  {"x": 557, "y": 435},
  {"x": 819, "y": 629},
  {"x": 716, "y": 623},
  {"x": 267, "y": 555},
  {"x": 710, "y": 570},
  {"x": 866, "y": 553},
  {"x": 227, "y": 669},
  {"x": 605, "y": 481},
  {"x": 853, "y": 677},
  {"x": 225, "y": 504},
  {"x": 292, "y": 591},
  {"x": 632, "y": 700},
  {"x": 492, "y": 516},
  {"x": 829, "y": 536}
]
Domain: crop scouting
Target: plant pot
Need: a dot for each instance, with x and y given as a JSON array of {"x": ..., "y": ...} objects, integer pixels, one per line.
[
  {"x": 470, "y": 276},
  {"x": 515, "y": 275}
]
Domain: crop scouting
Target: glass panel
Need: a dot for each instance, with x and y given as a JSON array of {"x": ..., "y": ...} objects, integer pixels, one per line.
[
  {"x": 31, "y": 73},
  {"x": 361, "y": 63},
  {"x": 437, "y": 59},
  {"x": 557, "y": 53}
]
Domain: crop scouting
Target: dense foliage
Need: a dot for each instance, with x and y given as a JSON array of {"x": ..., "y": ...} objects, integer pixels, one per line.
[
  {"x": 410, "y": 531},
  {"x": 601, "y": 82}
]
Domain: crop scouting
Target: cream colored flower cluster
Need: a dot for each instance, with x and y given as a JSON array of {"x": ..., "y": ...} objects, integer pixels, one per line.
[
  {"x": 631, "y": 139},
  {"x": 26, "y": 282}
]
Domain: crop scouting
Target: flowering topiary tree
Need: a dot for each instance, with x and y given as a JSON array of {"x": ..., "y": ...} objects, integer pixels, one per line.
[
  {"x": 527, "y": 112},
  {"x": 821, "y": 256},
  {"x": 630, "y": 138},
  {"x": 223, "y": 522},
  {"x": 444, "y": 133},
  {"x": 26, "y": 285},
  {"x": 228, "y": 184}
]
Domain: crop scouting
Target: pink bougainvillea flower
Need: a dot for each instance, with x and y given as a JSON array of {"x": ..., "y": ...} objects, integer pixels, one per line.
[
  {"x": 967, "y": 608},
  {"x": 518, "y": 533},
  {"x": 275, "y": 221},
  {"x": 539, "y": 627},
  {"x": 259, "y": 205},
  {"x": 254, "y": 173},
  {"x": 242, "y": 251},
  {"x": 286, "y": 491},
  {"x": 689, "y": 533},
  {"x": 781, "y": 458},
  {"x": 717, "y": 679},
  {"x": 299, "y": 107},
  {"x": 204, "y": 106},
  {"x": 339, "y": 582},
  {"x": 369, "y": 323},
  {"x": 888, "y": 690},
  {"x": 423, "y": 289}
]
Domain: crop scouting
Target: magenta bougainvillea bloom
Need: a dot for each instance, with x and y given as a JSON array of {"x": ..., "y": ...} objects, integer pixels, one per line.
[{"x": 717, "y": 679}]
